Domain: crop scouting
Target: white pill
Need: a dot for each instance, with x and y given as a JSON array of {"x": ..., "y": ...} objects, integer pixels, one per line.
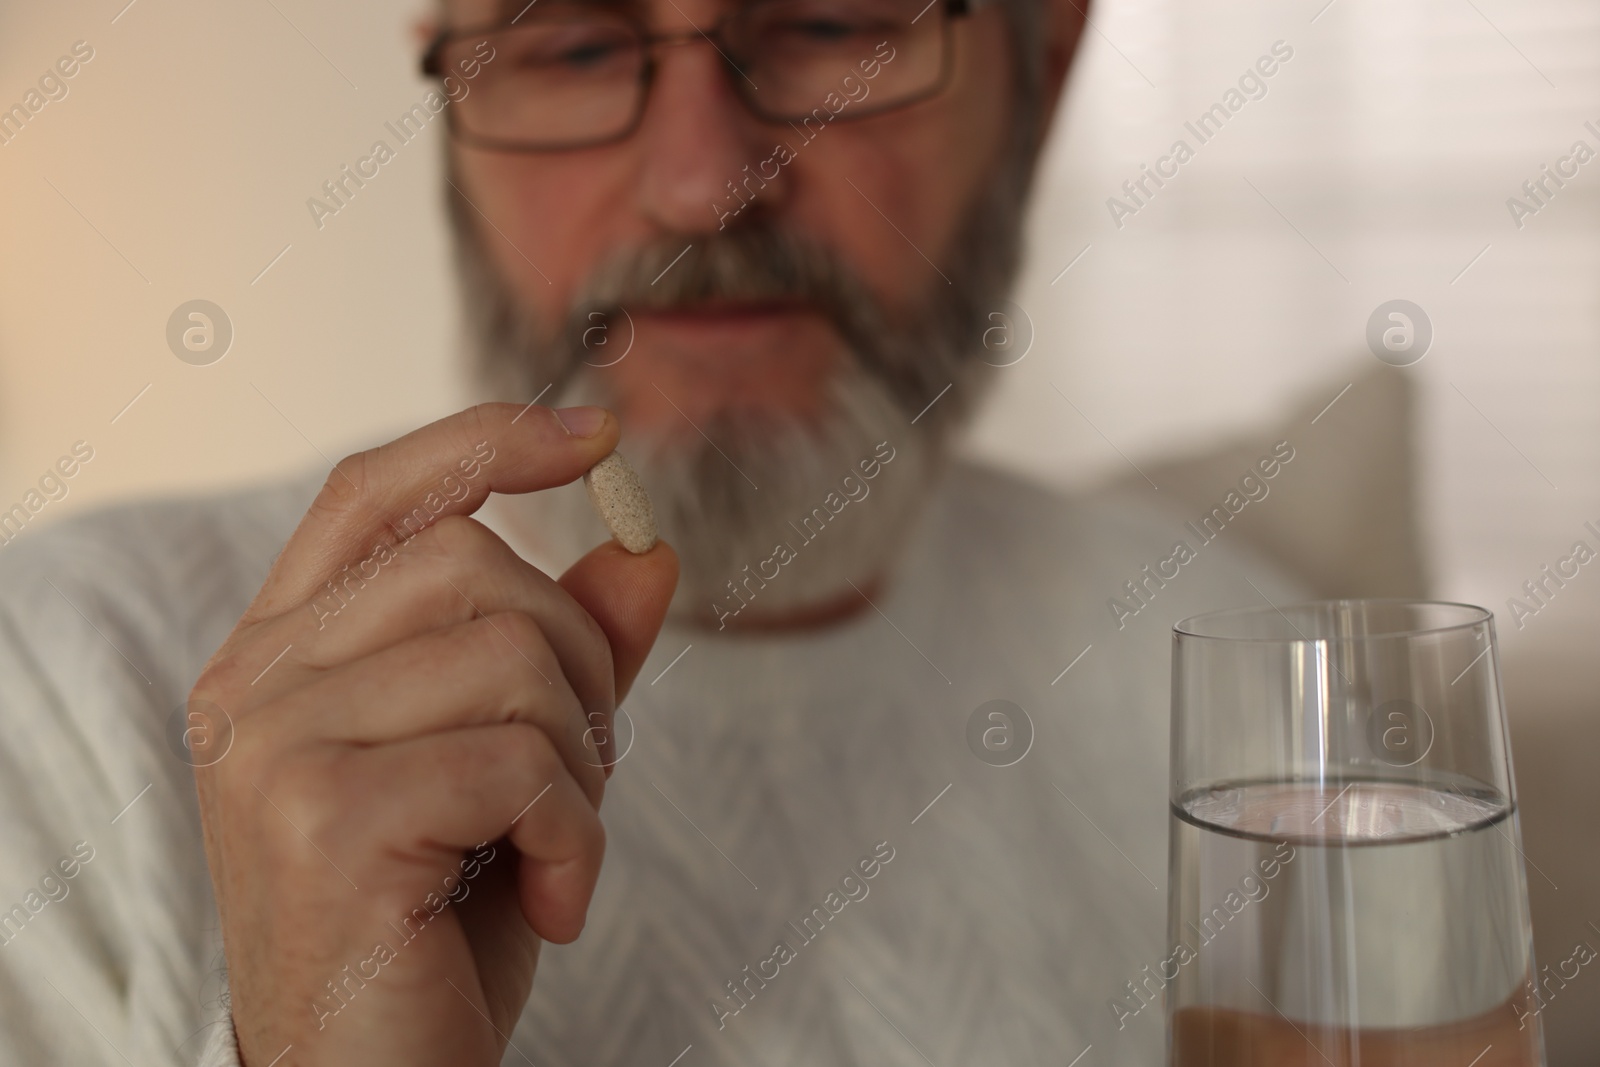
[{"x": 619, "y": 497}]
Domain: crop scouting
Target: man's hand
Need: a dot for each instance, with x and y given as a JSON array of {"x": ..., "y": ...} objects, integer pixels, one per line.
[{"x": 443, "y": 694}]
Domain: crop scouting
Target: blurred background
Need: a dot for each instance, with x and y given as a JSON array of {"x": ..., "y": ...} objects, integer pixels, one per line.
[{"x": 1228, "y": 310}]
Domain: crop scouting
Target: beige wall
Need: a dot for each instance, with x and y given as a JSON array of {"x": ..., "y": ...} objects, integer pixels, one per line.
[{"x": 189, "y": 145}]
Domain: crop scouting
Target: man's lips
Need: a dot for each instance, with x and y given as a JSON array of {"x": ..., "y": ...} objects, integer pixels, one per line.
[
  {"x": 727, "y": 313},
  {"x": 715, "y": 357},
  {"x": 745, "y": 328}
]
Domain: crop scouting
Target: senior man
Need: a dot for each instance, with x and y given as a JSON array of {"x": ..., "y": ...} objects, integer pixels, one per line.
[{"x": 888, "y": 787}]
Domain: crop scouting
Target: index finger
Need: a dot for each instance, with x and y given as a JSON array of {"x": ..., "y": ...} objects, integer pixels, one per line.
[{"x": 380, "y": 498}]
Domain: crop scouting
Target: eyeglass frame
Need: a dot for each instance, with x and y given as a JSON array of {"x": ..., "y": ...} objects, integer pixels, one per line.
[{"x": 432, "y": 67}]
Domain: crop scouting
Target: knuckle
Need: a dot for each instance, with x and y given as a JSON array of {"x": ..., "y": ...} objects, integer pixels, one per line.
[
  {"x": 302, "y": 796},
  {"x": 478, "y": 418},
  {"x": 524, "y": 755},
  {"x": 258, "y": 749},
  {"x": 531, "y": 748},
  {"x": 458, "y": 538},
  {"x": 219, "y": 678},
  {"x": 225, "y": 681},
  {"x": 347, "y": 488},
  {"x": 518, "y": 641},
  {"x": 225, "y": 672}
]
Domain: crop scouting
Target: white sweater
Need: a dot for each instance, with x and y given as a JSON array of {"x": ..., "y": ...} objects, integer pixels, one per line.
[{"x": 998, "y": 925}]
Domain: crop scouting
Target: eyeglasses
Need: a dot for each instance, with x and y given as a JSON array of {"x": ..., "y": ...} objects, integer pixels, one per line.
[{"x": 569, "y": 75}]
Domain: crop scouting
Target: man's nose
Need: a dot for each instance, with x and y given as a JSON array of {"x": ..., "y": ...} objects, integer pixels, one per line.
[{"x": 696, "y": 138}]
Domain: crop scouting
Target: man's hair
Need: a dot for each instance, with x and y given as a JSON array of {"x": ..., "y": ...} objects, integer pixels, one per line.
[{"x": 1025, "y": 20}]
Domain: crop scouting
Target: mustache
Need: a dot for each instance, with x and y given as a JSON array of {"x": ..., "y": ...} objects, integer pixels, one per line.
[
  {"x": 763, "y": 264},
  {"x": 757, "y": 264}
]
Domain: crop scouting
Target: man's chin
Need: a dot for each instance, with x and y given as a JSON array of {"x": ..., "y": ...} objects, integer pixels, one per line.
[
  {"x": 770, "y": 518},
  {"x": 675, "y": 427}
]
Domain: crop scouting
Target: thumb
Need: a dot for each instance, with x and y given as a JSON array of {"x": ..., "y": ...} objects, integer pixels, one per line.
[{"x": 628, "y": 596}]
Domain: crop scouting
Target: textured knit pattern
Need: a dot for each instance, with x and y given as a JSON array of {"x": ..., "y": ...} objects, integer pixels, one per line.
[{"x": 760, "y": 771}]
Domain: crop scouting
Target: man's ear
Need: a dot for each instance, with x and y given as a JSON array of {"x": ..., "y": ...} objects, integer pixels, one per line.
[{"x": 1063, "y": 26}]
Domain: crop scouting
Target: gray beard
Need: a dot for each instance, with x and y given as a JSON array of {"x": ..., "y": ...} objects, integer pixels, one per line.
[{"x": 728, "y": 496}]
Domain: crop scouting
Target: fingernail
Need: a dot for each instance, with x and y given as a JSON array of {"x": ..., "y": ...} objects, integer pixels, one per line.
[{"x": 582, "y": 422}]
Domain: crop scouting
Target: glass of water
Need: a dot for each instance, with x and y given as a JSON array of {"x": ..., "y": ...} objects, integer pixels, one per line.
[{"x": 1346, "y": 880}]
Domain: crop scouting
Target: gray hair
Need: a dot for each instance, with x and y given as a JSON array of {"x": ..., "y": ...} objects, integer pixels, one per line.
[{"x": 1025, "y": 19}]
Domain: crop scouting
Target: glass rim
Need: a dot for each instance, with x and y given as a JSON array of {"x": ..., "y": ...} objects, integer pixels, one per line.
[{"x": 1473, "y": 615}]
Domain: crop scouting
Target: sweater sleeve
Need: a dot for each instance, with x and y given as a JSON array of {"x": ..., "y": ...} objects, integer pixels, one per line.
[
  {"x": 222, "y": 1047},
  {"x": 108, "y": 934}
]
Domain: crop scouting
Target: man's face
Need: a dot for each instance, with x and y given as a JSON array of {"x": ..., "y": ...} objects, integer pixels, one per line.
[
  {"x": 563, "y": 215},
  {"x": 764, "y": 304}
]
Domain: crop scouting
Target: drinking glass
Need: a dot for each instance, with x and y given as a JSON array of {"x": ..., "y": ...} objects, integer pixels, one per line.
[{"x": 1346, "y": 881}]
